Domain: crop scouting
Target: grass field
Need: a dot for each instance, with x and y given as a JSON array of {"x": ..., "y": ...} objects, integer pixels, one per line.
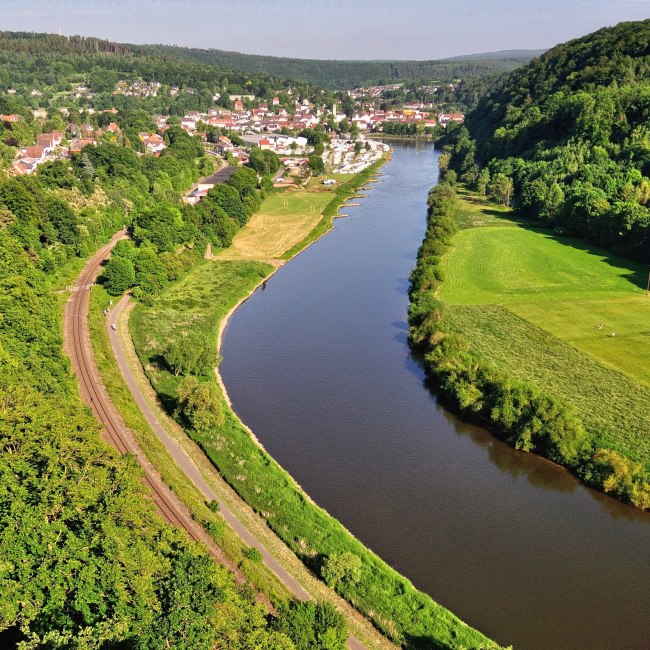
[
  {"x": 545, "y": 309},
  {"x": 283, "y": 220},
  {"x": 475, "y": 211},
  {"x": 578, "y": 293},
  {"x": 612, "y": 406}
]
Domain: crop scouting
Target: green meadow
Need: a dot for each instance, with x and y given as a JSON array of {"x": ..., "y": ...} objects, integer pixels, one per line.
[
  {"x": 568, "y": 317},
  {"x": 580, "y": 294}
]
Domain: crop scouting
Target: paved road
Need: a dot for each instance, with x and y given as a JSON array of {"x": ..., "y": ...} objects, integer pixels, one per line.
[
  {"x": 186, "y": 464},
  {"x": 78, "y": 346}
]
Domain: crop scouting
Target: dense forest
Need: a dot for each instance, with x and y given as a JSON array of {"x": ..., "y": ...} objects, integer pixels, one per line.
[
  {"x": 349, "y": 74},
  {"x": 567, "y": 136}
]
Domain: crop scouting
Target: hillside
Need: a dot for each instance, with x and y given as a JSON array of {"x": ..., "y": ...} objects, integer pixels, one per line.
[
  {"x": 348, "y": 74},
  {"x": 87, "y": 562},
  {"x": 570, "y": 130},
  {"x": 45, "y": 69}
]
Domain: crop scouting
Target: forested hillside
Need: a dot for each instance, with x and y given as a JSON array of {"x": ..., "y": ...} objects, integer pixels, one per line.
[
  {"x": 567, "y": 139},
  {"x": 348, "y": 74},
  {"x": 86, "y": 561},
  {"x": 44, "y": 69}
]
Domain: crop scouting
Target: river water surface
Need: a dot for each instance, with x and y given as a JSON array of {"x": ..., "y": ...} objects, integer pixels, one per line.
[{"x": 318, "y": 366}]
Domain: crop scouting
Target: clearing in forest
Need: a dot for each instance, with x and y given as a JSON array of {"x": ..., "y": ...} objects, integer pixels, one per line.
[{"x": 577, "y": 292}]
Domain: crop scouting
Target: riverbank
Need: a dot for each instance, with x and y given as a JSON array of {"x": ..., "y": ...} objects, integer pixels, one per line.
[
  {"x": 193, "y": 306},
  {"x": 485, "y": 344}
]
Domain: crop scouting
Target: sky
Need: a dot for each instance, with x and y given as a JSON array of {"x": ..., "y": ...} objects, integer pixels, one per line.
[{"x": 328, "y": 29}]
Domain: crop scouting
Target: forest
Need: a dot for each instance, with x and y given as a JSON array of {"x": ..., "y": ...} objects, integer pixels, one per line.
[
  {"x": 343, "y": 75},
  {"x": 568, "y": 137}
]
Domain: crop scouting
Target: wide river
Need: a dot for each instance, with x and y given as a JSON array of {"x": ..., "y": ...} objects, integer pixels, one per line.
[{"x": 317, "y": 364}]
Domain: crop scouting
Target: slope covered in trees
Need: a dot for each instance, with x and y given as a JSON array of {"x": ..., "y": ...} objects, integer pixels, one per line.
[
  {"x": 53, "y": 66},
  {"x": 86, "y": 562},
  {"x": 570, "y": 131},
  {"x": 348, "y": 74}
]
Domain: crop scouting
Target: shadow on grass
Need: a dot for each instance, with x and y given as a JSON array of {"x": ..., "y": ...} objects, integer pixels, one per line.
[
  {"x": 421, "y": 643},
  {"x": 638, "y": 273}
]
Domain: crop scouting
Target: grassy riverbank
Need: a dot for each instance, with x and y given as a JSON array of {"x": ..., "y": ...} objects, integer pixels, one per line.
[
  {"x": 195, "y": 306},
  {"x": 565, "y": 320}
]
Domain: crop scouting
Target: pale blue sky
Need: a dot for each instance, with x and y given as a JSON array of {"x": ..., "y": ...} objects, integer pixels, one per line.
[{"x": 353, "y": 29}]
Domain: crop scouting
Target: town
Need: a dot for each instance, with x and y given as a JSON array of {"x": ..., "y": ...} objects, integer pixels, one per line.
[{"x": 235, "y": 125}]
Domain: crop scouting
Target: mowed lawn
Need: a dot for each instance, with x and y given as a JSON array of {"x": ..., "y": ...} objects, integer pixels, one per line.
[
  {"x": 581, "y": 294},
  {"x": 283, "y": 220}
]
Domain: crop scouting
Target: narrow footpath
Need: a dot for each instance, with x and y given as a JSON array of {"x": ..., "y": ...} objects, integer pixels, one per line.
[{"x": 78, "y": 347}]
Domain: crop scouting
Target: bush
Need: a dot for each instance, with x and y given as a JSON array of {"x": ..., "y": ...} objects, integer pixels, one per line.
[
  {"x": 199, "y": 404},
  {"x": 312, "y": 626},
  {"x": 341, "y": 568}
]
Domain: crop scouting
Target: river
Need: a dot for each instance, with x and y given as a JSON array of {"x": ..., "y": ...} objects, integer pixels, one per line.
[{"x": 317, "y": 364}]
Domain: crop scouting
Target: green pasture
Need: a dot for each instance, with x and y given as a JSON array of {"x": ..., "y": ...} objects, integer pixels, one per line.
[
  {"x": 589, "y": 298},
  {"x": 613, "y": 407}
]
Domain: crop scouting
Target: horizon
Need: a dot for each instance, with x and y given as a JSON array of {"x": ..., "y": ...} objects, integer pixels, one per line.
[
  {"x": 367, "y": 31},
  {"x": 279, "y": 56}
]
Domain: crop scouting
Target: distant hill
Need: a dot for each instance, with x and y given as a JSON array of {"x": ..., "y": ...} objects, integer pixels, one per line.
[
  {"x": 348, "y": 74},
  {"x": 501, "y": 55}
]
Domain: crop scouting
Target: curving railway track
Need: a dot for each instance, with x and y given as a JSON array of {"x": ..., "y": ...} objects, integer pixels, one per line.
[{"x": 79, "y": 349}]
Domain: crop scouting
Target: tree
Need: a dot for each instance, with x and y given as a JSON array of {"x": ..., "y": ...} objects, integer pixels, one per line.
[
  {"x": 482, "y": 181},
  {"x": 316, "y": 164},
  {"x": 227, "y": 198},
  {"x": 118, "y": 275},
  {"x": 264, "y": 162},
  {"x": 192, "y": 354},
  {"x": 502, "y": 189},
  {"x": 150, "y": 274},
  {"x": 199, "y": 404}
]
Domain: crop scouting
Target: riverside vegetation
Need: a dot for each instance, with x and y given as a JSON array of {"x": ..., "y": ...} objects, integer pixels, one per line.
[
  {"x": 564, "y": 141},
  {"x": 191, "y": 311},
  {"x": 500, "y": 369}
]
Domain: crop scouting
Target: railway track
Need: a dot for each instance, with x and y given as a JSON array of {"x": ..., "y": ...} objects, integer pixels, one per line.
[
  {"x": 92, "y": 392},
  {"x": 79, "y": 348}
]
